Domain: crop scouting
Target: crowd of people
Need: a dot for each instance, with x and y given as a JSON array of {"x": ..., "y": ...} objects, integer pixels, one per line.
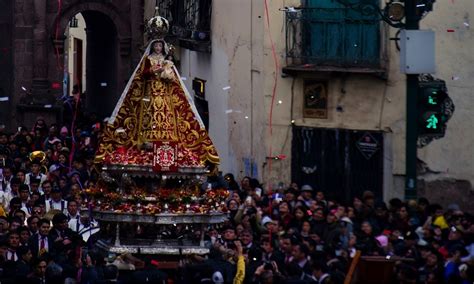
[{"x": 292, "y": 235}]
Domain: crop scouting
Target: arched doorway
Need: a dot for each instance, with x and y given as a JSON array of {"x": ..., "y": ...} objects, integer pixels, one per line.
[{"x": 97, "y": 78}]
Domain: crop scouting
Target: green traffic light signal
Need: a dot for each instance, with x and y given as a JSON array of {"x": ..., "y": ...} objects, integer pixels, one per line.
[
  {"x": 431, "y": 95},
  {"x": 432, "y": 122},
  {"x": 431, "y": 100}
]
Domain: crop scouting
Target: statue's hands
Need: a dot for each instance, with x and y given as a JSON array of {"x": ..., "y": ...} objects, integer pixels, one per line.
[{"x": 157, "y": 68}]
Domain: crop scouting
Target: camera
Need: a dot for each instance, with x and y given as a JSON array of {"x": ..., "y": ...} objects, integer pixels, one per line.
[
  {"x": 251, "y": 211},
  {"x": 231, "y": 245},
  {"x": 268, "y": 265}
]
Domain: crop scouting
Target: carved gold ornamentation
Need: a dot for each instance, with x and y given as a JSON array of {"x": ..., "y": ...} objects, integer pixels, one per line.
[{"x": 156, "y": 109}]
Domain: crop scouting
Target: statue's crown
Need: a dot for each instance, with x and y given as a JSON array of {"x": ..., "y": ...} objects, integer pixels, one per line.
[{"x": 157, "y": 27}]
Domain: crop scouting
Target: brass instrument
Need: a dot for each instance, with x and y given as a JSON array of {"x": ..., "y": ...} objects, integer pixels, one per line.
[{"x": 41, "y": 157}]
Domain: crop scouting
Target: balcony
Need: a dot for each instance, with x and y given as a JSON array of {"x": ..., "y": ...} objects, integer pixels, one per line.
[
  {"x": 190, "y": 22},
  {"x": 332, "y": 39}
]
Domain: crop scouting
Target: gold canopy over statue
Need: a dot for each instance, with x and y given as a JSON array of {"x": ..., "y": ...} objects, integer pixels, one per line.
[{"x": 155, "y": 123}]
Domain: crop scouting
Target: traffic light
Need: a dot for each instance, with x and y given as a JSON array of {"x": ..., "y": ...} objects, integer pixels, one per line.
[{"x": 432, "y": 117}]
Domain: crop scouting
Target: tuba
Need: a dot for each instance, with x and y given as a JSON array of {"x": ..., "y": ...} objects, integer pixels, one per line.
[{"x": 41, "y": 157}]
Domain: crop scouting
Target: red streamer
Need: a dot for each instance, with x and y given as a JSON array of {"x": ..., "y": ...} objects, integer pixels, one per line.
[
  {"x": 58, "y": 58},
  {"x": 270, "y": 118}
]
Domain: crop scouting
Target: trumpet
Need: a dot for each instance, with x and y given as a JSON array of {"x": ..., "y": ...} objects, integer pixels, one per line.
[{"x": 41, "y": 157}]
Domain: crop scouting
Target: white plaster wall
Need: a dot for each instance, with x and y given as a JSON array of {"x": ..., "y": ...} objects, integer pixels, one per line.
[
  {"x": 209, "y": 67},
  {"x": 228, "y": 65},
  {"x": 453, "y": 155},
  {"x": 78, "y": 33}
]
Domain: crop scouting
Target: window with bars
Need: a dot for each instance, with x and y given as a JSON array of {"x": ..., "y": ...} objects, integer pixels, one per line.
[{"x": 189, "y": 19}]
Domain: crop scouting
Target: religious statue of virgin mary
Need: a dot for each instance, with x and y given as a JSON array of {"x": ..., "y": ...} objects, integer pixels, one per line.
[{"x": 155, "y": 123}]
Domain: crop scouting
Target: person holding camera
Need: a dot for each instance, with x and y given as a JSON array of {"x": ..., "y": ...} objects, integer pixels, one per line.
[{"x": 267, "y": 273}]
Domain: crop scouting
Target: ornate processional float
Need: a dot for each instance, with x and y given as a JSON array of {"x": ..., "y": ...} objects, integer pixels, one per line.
[{"x": 155, "y": 154}]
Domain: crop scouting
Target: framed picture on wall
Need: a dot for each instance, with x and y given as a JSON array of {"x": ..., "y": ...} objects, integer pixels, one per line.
[{"x": 315, "y": 99}]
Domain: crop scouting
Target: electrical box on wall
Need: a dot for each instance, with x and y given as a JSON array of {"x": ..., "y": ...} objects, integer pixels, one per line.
[{"x": 417, "y": 51}]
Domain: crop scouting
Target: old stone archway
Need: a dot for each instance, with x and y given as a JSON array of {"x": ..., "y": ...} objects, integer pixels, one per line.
[
  {"x": 109, "y": 57},
  {"x": 116, "y": 32}
]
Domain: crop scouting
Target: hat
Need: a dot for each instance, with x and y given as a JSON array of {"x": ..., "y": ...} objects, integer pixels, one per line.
[
  {"x": 267, "y": 220},
  {"x": 306, "y": 187},
  {"x": 346, "y": 219},
  {"x": 422, "y": 243},
  {"x": 54, "y": 167},
  {"x": 217, "y": 278},
  {"x": 65, "y": 149},
  {"x": 54, "y": 141}
]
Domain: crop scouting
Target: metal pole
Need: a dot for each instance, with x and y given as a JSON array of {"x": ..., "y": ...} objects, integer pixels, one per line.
[{"x": 412, "y": 23}]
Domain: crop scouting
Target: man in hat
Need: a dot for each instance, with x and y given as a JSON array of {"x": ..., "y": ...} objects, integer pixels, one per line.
[
  {"x": 54, "y": 173},
  {"x": 306, "y": 195},
  {"x": 269, "y": 225},
  {"x": 56, "y": 201}
]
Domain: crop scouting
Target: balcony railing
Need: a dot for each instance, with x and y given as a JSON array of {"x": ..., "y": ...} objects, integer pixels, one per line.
[{"x": 332, "y": 38}]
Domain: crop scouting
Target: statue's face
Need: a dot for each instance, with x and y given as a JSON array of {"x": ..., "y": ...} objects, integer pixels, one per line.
[{"x": 158, "y": 47}]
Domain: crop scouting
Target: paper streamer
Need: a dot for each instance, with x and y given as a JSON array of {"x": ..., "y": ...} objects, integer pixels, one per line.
[{"x": 226, "y": 88}]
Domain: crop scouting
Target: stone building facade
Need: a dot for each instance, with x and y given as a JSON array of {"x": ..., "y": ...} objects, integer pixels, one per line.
[
  {"x": 353, "y": 139},
  {"x": 36, "y": 30}
]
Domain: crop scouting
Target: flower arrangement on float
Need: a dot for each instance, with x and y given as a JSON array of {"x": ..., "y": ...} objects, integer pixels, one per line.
[{"x": 165, "y": 200}]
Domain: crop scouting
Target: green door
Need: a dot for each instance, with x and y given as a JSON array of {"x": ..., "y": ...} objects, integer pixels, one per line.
[{"x": 334, "y": 35}]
